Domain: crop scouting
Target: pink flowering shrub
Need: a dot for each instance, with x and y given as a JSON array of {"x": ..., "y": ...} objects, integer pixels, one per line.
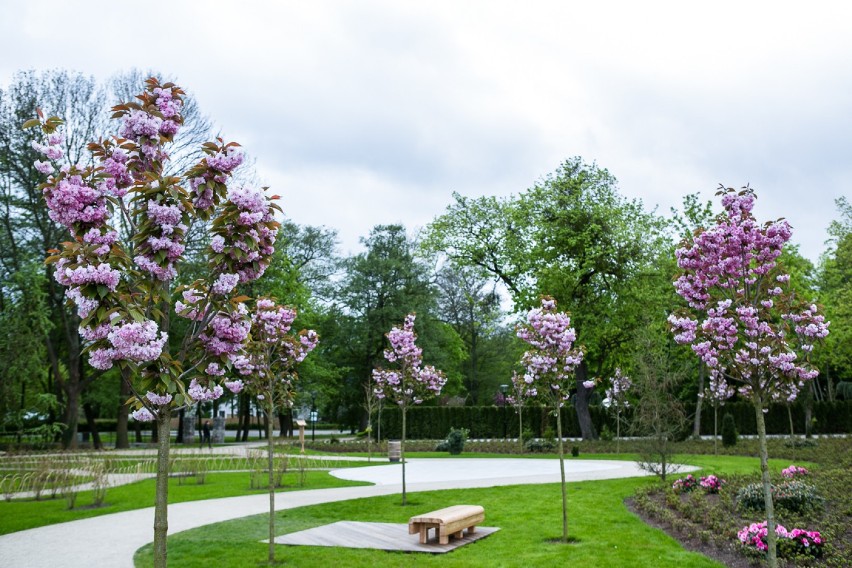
[
  {"x": 794, "y": 471},
  {"x": 685, "y": 484},
  {"x": 711, "y": 483},
  {"x": 790, "y": 543}
]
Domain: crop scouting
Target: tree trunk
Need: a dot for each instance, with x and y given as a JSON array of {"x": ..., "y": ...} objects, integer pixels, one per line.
[
  {"x": 581, "y": 404},
  {"x": 122, "y": 441},
  {"x": 402, "y": 454},
  {"x": 245, "y": 417},
  {"x": 70, "y": 415},
  {"x": 93, "y": 426},
  {"x": 181, "y": 416},
  {"x": 715, "y": 428},
  {"x": 618, "y": 431},
  {"x": 270, "y": 450},
  {"x": 285, "y": 423},
  {"x": 771, "y": 537},
  {"x": 161, "y": 500},
  {"x": 696, "y": 428},
  {"x": 562, "y": 475}
]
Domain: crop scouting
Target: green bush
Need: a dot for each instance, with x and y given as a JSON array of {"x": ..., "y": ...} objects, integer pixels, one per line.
[
  {"x": 606, "y": 434},
  {"x": 795, "y": 496},
  {"x": 454, "y": 443},
  {"x": 539, "y": 445},
  {"x": 575, "y": 451},
  {"x": 729, "y": 431}
]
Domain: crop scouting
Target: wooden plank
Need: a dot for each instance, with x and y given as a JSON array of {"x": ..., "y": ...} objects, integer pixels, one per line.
[{"x": 382, "y": 536}]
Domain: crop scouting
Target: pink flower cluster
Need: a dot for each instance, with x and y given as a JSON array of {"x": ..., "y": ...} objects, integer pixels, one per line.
[
  {"x": 250, "y": 229},
  {"x": 165, "y": 229},
  {"x": 160, "y": 117},
  {"x": 411, "y": 383},
  {"x": 794, "y": 471},
  {"x": 209, "y": 176},
  {"x": 551, "y": 362},
  {"x": 719, "y": 390},
  {"x": 158, "y": 399},
  {"x": 711, "y": 483},
  {"x": 227, "y": 332},
  {"x": 138, "y": 342},
  {"x": 142, "y": 415},
  {"x": 616, "y": 394},
  {"x": 270, "y": 322},
  {"x": 200, "y": 393},
  {"x": 74, "y": 204},
  {"x": 741, "y": 317},
  {"x": 685, "y": 484},
  {"x": 754, "y": 536}
]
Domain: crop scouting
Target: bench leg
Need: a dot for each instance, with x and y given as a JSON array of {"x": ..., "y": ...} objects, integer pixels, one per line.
[
  {"x": 424, "y": 534},
  {"x": 471, "y": 530},
  {"x": 443, "y": 538}
]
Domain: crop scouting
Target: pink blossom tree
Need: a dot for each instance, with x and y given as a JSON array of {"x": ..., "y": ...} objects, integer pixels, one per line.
[
  {"x": 717, "y": 393},
  {"x": 550, "y": 363},
  {"x": 743, "y": 321},
  {"x": 411, "y": 382},
  {"x": 269, "y": 372},
  {"x": 125, "y": 292},
  {"x": 616, "y": 399}
]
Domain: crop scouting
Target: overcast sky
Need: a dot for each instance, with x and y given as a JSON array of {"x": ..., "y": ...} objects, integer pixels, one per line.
[{"x": 361, "y": 113}]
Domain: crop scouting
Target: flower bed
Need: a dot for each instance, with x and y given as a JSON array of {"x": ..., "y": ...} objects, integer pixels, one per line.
[{"x": 718, "y": 526}]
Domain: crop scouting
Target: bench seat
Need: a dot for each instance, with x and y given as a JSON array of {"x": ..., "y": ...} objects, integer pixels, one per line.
[{"x": 448, "y": 521}]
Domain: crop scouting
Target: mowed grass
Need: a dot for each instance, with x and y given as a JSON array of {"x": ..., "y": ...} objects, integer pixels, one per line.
[
  {"x": 17, "y": 515},
  {"x": 605, "y": 533}
]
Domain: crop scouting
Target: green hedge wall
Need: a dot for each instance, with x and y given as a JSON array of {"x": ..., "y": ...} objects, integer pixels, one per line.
[
  {"x": 830, "y": 418},
  {"x": 434, "y": 422}
]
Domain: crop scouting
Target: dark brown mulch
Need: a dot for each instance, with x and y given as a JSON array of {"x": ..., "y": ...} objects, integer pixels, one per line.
[{"x": 728, "y": 556}]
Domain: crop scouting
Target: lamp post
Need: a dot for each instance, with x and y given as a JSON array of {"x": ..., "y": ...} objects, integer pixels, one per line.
[
  {"x": 313, "y": 415},
  {"x": 504, "y": 390}
]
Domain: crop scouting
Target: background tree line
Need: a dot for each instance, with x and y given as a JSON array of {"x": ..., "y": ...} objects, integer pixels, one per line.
[{"x": 605, "y": 258}]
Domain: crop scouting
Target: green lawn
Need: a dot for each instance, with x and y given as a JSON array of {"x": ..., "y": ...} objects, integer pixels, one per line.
[
  {"x": 19, "y": 515},
  {"x": 528, "y": 516}
]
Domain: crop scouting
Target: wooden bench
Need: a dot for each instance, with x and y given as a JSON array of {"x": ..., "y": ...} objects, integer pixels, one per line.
[{"x": 449, "y": 521}]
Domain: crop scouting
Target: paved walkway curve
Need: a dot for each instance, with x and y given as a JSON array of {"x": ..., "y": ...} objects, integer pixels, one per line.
[{"x": 111, "y": 540}]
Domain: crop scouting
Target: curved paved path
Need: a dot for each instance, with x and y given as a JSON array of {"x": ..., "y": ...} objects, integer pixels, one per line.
[{"x": 111, "y": 540}]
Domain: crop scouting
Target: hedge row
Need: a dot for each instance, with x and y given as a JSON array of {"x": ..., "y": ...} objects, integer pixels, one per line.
[{"x": 434, "y": 422}]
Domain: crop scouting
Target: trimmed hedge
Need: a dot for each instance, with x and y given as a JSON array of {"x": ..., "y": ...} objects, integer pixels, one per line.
[
  {"x": 830, "y": 418},
  {"x": 434, "y": 422}
]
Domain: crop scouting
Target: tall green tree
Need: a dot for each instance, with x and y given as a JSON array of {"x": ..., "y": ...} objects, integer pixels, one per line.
[
  {"x": 28, "y": 231},
  {"x": 574, "y": 237},
  {"x": 379, "y": 287},
  {"x": 835, "y": 293},
  {"x": 469, "y": 301}
]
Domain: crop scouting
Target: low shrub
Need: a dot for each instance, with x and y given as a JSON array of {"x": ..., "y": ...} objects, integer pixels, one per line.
[
  {"x": 794, "y": 471},
  {"x": 685, "y": 484},
  {"x": 790, "y": 543},
  {"x": 795, "y": 496},
  {"x": 454, "y": 442},
  {"x": 712, "y": 484},
  {"x": 539, "y": 445}
]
